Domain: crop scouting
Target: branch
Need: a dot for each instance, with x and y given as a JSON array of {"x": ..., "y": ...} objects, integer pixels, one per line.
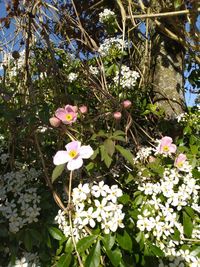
[{"x": 165, "y": 14}]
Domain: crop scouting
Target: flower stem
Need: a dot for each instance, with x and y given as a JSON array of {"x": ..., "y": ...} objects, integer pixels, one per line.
[{"x": 70, "y": 219}]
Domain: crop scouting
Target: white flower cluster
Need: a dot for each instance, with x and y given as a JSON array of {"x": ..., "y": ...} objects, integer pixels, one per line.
[
  {"x": 143, "y": 154},
  {"x": 93, "y": 204},
  {"x": 159, "y": 214},
  {"x": 72, "y": 77},
  {"x": 181, "y": 117},
  {"x": 113, "y": 43},
  {"x": 192, "y": 119},
  {"x": 93, "y": 70},
  {"x": 126, "y": 78},
  {"x": 19, "y": 202},
  {"x": 28, "y": 260},
  {"x": 106, "y": 15}
]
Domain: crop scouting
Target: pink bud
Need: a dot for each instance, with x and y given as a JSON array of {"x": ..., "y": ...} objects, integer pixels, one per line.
[
  {"x": 117, "y": 115},
  {"x": 55, "y": 122},
  {"x": 75, "y": 108},
  {"x": 83, "y": 109},
  {"x": 126, "y": 104},
  {"x": 152, "y": 159}
]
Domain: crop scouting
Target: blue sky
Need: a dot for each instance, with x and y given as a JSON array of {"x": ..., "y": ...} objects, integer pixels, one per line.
[{"x": 189, "y": 96}]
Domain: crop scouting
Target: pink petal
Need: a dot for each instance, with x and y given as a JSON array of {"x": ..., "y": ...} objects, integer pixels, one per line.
[
  {"x": 70, "y": 108},
  {"x": 180, "y": 158},
  {"x": 61, "y": 157},
  {"x": 166, "y": 140},
  {"x": 74, "y": 145},
  {"x": 61, "y": 114},
  {"x": 86, "y": 152},
  {"x": 172, "y": 148},
  {"x": 75, "y": 164}
]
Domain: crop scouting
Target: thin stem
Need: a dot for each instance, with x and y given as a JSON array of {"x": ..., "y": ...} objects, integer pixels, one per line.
[{"x": 70, "y": 219}]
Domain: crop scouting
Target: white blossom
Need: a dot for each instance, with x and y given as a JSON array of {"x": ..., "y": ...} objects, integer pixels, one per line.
[{"x": 126, "y": 78}]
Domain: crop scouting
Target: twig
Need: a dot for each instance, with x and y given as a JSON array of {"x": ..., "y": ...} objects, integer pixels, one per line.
[
  {"x": 164, "y": 14},
  {"x": 70, "y": 219}
]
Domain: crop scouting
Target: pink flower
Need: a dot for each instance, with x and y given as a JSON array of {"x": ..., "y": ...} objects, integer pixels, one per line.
[
  {"x": 73, "y": 155},
  {"x": 165, "y": 146},
  {"x": 67, "y": 115},
  {"x": 83, "y": 109},
  {"x": 179, "y": 161},
  {"x": 117, "y": 115},
  {"x": 126, "y": 104},
  {"x": 55, "y": 122}
]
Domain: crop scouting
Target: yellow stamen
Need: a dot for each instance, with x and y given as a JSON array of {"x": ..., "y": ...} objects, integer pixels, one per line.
[
  {"x": 165, "y": 148},
  {"x": 73, "y": 154},
  {"x": 68, "y": 117}
]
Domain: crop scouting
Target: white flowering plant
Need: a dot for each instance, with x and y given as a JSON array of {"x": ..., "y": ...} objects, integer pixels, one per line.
[{"x": 124, "y": 190}]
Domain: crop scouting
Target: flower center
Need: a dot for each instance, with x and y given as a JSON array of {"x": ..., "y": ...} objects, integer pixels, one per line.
[
  {"x": 73, "y": 153},
  {"x": 68, "y": 117},
  {"x": 180, "y": 164},
  {"x": 165, "y": 148}
]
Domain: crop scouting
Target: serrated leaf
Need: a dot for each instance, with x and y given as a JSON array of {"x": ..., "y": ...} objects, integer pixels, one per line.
[
  {"x": 124, "y": 241},
  {"x": 93, "y": 259},
  {"x": 57, "y": 172},
  {"x": 118, "y": 132},
  {"x": 105, "y": 157},
  {"x": 55, "y": 233},
  {"x": 187, "y": 225},
  {"x": 125, "y": 153},
  {"x": 85, "y": 243},
  {"x": 109, "y": 146},
  {"x": 64, "y": 260}
]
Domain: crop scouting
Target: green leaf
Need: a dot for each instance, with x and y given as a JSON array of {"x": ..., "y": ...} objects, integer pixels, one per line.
[
  {"x": 108, "y": 241},
  {"x": 124, "y": 199},
  {"x": 156, "y": 251},
  {"x": 195, "y": 252},
  {"x": 114, "y": 256},
  {"x": 194, "y": 149},
  {"x": 109, "y": 146},
  {"x": 118, "y": 132},
  {"x": 119, "y": 138},
  {"x": 64, "y": 260},
  {"x": 57, "y": 172},
  {"x": 187, "y": 225},
  {"x": 125, "y": 241},
  {"x": 36, "y": 235},
  {"x": 93, "y": 259},
  {"x": 105, "y": 157},
  {"x": 28, "y": 240},
  {"x": 125, "y": 153},
  {"x": 190, "y": 212},
  {"x": 85, "y": 243},
  {"x": 96, "y": 152},
  {"x": 69, "y": 246},
  {"x": 55, "y": 233}
]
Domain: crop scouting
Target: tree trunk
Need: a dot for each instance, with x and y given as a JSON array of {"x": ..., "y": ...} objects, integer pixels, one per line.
[{"x": 167, "y": 76}]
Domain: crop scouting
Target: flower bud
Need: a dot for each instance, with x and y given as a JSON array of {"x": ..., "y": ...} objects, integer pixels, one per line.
[
  {"x": 75, "y": 108},
  {"x": 55, "y": 122},
  {"x": 126, "y": 104},
  {"x": 152, "y": 159},
  {"x": 117, "y": 115},
  {"x": 83, "y": 109}
]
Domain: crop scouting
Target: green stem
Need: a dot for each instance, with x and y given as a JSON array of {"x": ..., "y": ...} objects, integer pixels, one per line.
[{"x": 70, "y": 219}]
